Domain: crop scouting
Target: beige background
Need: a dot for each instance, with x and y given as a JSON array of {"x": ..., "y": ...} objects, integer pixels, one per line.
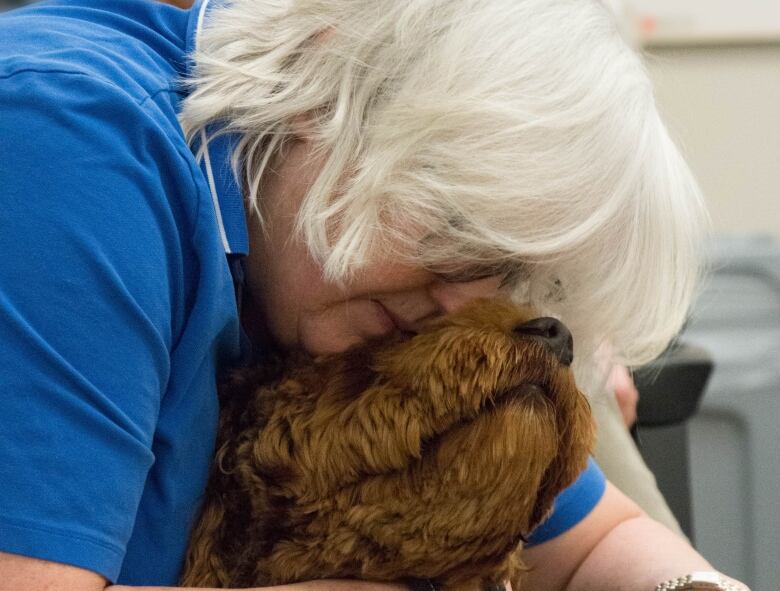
[
  {"x": 685, "y": 21},
  {"x": 723, "y": 105}
]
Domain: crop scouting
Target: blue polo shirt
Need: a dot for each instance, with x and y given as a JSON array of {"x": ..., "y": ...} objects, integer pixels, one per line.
[{"x": 116, "y": 299}]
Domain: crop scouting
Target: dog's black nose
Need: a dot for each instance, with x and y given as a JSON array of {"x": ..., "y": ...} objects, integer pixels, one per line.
[{"x": 553, "y": 333}]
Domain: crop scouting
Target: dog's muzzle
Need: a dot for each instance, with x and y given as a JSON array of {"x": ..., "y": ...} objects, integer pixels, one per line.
[{"x": 551, "y": 332}]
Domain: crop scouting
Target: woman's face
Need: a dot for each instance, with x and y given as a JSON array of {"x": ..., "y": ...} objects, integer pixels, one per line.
[{"x": 299, "y": 308}]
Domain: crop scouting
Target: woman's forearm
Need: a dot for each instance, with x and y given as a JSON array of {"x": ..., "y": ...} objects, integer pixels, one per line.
[
  {"x": 657, "y": 555},
  {"x": 323, "y": 585},
  {"x": 616, "y": 547}
]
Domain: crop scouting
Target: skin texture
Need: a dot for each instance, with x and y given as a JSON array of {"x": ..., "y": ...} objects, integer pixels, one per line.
[{"x": 427, "y": 456}]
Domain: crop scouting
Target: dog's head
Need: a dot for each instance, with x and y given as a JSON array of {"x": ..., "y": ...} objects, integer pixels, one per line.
[
  {"x": 460, "y": 435},
  {"x": 500, "y": 397}
]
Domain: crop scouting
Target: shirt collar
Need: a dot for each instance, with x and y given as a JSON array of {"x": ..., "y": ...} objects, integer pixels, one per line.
[{"x": 215, "y": 159}]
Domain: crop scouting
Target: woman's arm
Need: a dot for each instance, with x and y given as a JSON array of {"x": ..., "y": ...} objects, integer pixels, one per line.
[
  {"x": 615, "y": 548},
  {"x": 323, "y": 585},
  {"x": 21, "y": 573}
]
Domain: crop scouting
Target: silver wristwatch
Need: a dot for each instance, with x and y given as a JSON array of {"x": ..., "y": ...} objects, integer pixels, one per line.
[{"x": 699, "y": 580}]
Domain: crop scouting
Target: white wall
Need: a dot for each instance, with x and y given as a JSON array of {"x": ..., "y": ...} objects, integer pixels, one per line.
[
  {"x": 711, "y": 21},
  {"x": 723, "y": 105}
]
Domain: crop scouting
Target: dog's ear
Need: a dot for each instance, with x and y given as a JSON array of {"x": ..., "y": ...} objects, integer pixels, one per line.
[{"x": 355, "y": 370}]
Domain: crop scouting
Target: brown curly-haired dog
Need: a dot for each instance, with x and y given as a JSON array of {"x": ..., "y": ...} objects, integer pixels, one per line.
[{"x": 427, "y": 456}]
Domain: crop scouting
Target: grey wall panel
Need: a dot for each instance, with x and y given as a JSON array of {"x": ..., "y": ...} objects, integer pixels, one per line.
[{"x": 735, "y": 438}]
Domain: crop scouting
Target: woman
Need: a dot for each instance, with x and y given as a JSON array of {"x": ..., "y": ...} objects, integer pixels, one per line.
[{"x": 397, "y": 159}]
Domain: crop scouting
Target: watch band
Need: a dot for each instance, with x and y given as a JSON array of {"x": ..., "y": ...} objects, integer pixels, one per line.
[{"x": 699, "y": 580}]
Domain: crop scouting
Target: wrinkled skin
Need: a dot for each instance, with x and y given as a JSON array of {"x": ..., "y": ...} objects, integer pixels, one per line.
[{"x": 423, "y": 456}]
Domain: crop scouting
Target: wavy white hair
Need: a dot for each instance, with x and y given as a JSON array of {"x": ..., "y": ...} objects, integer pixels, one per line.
[{"x": 520, "y": 135}]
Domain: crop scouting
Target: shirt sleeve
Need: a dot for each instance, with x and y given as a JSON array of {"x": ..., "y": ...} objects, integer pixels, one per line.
[
  {"x": 572, "y": 505},
  {"x": 90, "y": 271}
]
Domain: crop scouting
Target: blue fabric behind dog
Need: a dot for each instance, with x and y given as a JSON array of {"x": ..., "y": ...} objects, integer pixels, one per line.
[{"x": 572, "y": 505}]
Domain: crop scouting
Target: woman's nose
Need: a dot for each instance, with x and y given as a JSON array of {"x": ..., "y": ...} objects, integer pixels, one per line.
[{"x": 451, "y": 297}]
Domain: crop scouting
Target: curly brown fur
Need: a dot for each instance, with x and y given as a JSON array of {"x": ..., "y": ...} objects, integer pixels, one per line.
[{"x": 423, "y": 457}]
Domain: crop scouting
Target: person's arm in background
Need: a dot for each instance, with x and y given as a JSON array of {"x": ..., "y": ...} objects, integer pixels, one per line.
[{"x": 614, "y": 398}]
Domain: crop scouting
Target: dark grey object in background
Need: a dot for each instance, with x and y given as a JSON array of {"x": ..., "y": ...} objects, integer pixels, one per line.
[
  {"x": 732, "y": 444},
  {"x": 670, "y": 391},
  {"x": 735, "y": 438}
]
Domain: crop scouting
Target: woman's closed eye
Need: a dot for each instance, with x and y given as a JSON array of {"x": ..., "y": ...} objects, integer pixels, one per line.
[{"x": 508, "y": 274}]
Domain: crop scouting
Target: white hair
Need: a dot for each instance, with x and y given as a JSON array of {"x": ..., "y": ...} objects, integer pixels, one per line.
[{"x": 520, "y": 135}]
